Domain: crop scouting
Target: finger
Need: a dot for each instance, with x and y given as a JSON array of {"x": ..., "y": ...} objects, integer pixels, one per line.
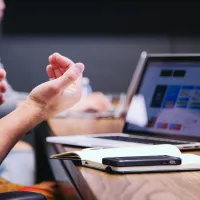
[
  {"x": 2, "y": 74},
  {"x": 58, "y": 73},
  {"x": 63, "y": 70},
  {"x": 79, "y": 82},
  {"x": 77, "y": 85},
  {"x": 59, "y": 61},
  {"x": 69, "y": 77},
  {"x": 1, "y": 98},
  {"x": 50, "y": 72},
  {"x": 3, "y": 86},
  {"x": 54, "y": 73}
]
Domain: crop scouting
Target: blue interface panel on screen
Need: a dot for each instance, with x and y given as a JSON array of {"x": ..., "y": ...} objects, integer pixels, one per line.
[{"x": 171, "y": 93}]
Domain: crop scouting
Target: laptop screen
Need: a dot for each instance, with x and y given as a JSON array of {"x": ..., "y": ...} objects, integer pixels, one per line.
[{"x": 167, "y": 100}]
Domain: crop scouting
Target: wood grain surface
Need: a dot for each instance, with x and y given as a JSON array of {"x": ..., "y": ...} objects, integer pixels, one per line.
[
  {"x": 146, "y": 186},
  {"x": 79, "y": 126}
]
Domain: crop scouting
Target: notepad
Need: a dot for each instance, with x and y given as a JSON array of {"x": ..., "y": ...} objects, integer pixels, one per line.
[{"x": 92, "y": 158}]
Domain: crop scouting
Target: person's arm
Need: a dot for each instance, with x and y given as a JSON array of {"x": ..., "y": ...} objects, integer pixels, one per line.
[
  {"x": 16, "y": 124},
  {"x": 46, "y": 100}
]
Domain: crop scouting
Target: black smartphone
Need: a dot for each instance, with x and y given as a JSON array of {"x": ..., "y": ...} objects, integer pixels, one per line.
[{"x": 141, "y": 161}]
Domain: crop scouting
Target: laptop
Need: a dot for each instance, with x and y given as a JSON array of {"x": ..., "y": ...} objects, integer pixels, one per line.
[{"x": 163, "y": 106}]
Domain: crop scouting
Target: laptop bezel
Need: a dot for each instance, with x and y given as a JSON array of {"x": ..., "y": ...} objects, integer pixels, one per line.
[{"x": 137, "y": 80}]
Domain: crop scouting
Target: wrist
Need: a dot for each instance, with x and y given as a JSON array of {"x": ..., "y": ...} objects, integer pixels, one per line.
[{"x": 37, "y": 111}]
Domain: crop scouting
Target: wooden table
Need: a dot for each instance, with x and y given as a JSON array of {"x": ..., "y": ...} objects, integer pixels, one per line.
[{"x": 148, "y": 186}]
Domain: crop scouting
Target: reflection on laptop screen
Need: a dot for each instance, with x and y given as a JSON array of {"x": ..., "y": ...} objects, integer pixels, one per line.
[{"x": 170, "y": 100}]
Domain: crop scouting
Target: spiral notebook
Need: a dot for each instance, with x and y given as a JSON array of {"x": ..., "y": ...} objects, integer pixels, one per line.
[{"x": 92, "y": 158}]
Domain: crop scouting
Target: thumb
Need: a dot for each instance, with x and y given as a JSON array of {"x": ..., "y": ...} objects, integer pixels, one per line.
[{"x": 69, "y": 77}]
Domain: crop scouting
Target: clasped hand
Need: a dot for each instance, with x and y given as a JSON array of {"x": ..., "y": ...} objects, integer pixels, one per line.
[{"x": 62, "y": 90}]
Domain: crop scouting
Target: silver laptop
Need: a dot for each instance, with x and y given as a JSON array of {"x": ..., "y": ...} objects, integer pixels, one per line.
[{"x": 163, "y": 106}]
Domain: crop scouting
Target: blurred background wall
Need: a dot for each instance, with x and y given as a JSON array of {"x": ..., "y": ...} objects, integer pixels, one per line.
[
  {"x": 107, "y": 36},
  {"x": 109, "y": 61}
]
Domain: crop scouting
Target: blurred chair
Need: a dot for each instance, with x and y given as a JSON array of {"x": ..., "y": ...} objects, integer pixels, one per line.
[{"x": 21, "y": 196}]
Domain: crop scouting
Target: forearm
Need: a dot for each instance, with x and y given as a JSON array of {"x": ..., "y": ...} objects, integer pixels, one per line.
[{"x": 16, "y": 124}]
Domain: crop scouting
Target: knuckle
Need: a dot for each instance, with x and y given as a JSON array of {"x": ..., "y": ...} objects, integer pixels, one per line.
[
  {"x": 53, "y": 57},
  {"x": 3, "y": 86},
  {"x": 72, "y": 76}
]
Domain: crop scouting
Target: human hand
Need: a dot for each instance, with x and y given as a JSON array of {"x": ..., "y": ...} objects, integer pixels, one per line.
[
  {"x": 64, "y": 88},
  {"x": 3, "y": 85},
  {"x": 95, "y": 102}
]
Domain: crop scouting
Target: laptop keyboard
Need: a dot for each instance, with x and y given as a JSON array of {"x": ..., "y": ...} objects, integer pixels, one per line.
[{"x": 139, "y": 140}]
